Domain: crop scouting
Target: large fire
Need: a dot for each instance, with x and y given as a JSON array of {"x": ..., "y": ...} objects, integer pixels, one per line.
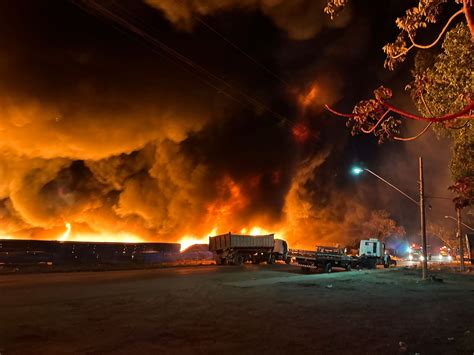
[{"x": 73, "y": 236}]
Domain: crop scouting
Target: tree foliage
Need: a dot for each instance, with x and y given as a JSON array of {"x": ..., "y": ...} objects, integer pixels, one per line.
[
  {"x": 442, "y": 84},
  {"x": 442, "y": 89},
  {"x": 445, "y": 235},
  {"x": 380, "y": 226}
]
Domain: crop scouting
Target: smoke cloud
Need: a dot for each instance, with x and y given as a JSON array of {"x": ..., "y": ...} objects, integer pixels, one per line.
[
  {"x": 301, "y": 19},
  {"x": 97, "y": 132}
]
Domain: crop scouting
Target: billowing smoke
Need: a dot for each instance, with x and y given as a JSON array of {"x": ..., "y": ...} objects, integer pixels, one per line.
[
  {"x": 97, "y": 132},
  {"x": 301, "y": 19}
]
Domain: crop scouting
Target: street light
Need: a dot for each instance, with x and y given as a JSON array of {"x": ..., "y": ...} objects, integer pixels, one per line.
[
  {"x": 357, "y": 171},
  {"x": 464, "y": 224},
  {"x": 421, "y": 204}
]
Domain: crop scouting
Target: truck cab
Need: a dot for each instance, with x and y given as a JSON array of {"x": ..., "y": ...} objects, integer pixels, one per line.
[
  {"x": 372, "y": 248},
  {"x": 280, "y": 249},
  {"x": 371, "y": 253}
]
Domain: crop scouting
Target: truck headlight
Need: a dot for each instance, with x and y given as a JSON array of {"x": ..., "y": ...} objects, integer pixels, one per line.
[{"x": 422, "y": 258}]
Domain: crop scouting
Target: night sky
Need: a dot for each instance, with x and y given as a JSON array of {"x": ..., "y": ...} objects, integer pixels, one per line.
[{"x": 105, "y": 129}]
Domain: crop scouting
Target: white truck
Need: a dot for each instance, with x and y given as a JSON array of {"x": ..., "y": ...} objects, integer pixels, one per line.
[
  {"x": 235, "y": 249},
  {"x": 371, "y": 253}
]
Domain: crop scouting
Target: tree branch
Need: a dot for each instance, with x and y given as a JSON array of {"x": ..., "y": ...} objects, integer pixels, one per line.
[
  {"x": 432, "y": 119},
  {"x": 376, "y": 125},
  {"x": 337, "y": 113},
  {"x": 420, "y": 46},
  {"x": 423, "y": 131},
  {"x": 469, "y": 13},
  {"x": 411, "y": 115}
]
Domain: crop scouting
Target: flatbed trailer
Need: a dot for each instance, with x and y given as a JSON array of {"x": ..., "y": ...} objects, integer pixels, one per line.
[{"x": 324, "y": 258}]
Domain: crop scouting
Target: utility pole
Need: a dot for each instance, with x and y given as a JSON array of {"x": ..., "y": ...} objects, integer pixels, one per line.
[
  {"x": 422, "y": 221},
  {"x": 461, "y": 242}
]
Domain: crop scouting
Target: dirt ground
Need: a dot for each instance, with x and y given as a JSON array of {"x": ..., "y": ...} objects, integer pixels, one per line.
[{"x": 252, "y": 309}]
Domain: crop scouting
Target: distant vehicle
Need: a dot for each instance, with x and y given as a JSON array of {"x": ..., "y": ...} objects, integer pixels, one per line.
[
  {"x": 324, "y": 258},
  {"x": 235, "y": 249},
  {"x": 445, "y": 254},
  {"x": 415, "y": 253}
]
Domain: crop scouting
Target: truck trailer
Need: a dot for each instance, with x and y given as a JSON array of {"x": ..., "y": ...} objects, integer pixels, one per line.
[{"x": 235, "y": 249}]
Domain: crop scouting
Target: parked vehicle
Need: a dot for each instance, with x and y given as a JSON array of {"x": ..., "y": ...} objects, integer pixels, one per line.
[
  {"x": 372, "y": 253},
  {"x": 236, "y": 249},
  {"x": 325, "y": 258}
]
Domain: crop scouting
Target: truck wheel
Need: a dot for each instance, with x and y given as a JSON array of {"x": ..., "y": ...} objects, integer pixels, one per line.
[
  {"x": 288, "y": 261},
  {"x": 372, "y": 264},
  {"x": 328, "y": 268},
  {"x": 271, "y": 259},
  {"x": 348, "y": 267},
  {"x": 238, "y": 260}
]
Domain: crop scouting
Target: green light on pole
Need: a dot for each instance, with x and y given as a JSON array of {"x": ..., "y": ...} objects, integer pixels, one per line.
[{"x": 356, "y": 170}]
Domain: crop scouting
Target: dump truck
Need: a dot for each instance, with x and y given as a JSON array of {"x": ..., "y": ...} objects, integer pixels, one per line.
[
  {"x": 236, "y": 249},
  {"x": 323, "y": 258}
]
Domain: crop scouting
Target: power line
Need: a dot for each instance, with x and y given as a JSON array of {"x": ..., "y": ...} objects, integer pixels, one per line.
[
  {"x": 184, "y": 60},
  {"x": 201, "y": 21}
]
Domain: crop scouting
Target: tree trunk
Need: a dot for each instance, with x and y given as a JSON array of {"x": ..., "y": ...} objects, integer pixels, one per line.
[{"x": 461, "y": 239}]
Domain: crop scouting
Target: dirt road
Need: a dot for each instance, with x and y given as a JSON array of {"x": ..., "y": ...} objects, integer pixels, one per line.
[{"x": 248, "y": 309}]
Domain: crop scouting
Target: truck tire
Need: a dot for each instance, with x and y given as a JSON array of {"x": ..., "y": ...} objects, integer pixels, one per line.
[
  {"x": 238, "y": 260},
  {"x": 373, "y": 263},
  {"x": 271, "y": 259},
  {"x": 288, "y": 261},
  {"x": 328, "y": 268},
  {"x": 349, "y": 267}
]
